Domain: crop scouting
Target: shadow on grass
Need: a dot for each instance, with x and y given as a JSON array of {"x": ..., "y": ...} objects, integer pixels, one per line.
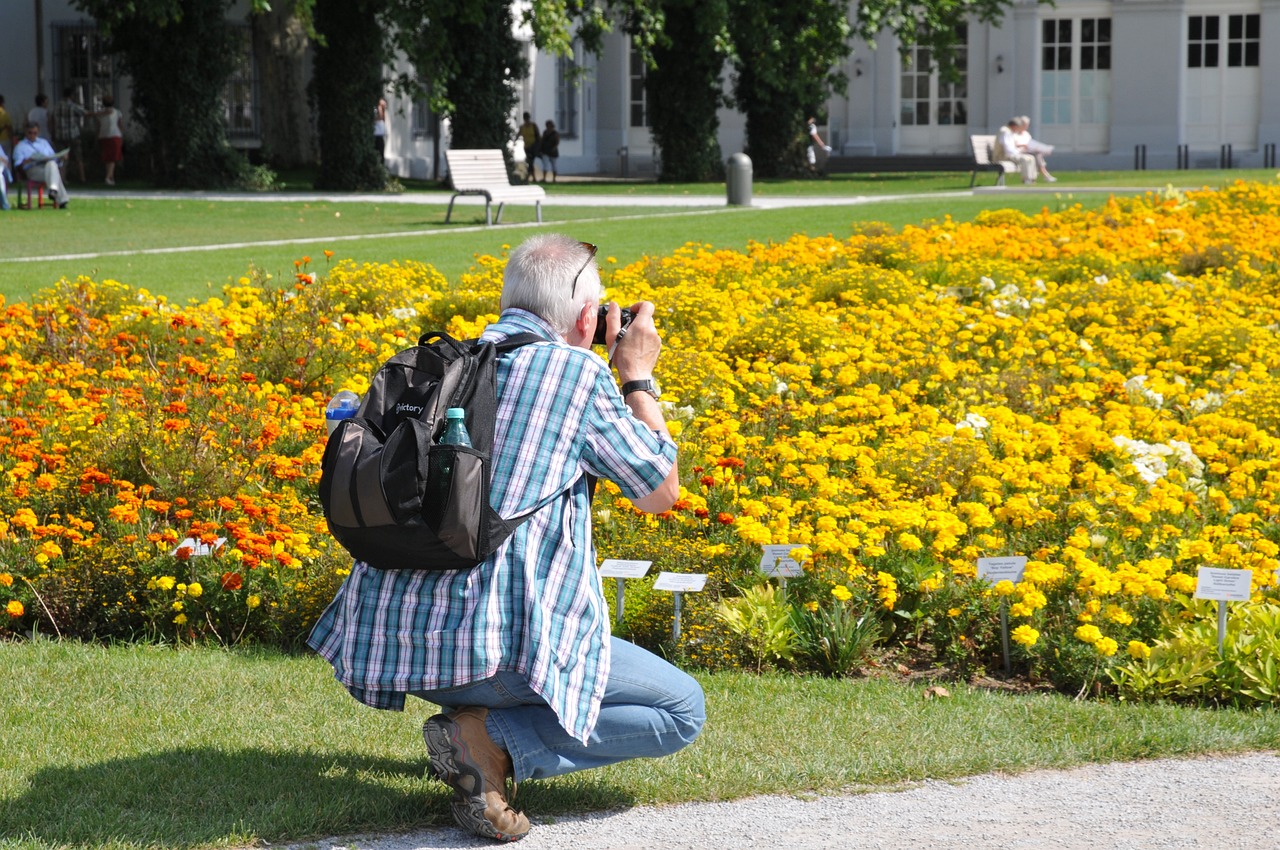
[{"x": 207, "y": 796}]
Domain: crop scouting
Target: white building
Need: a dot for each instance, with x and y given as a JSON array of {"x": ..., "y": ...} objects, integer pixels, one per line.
[{"x": 1108, "y": 82}]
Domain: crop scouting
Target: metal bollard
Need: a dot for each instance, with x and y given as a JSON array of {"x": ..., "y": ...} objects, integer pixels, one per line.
[
  {"x": 1269, "y": 155},
  {"x": 738, "y": 179},
  {"x": 624, "y": 160},
  {"x": 1224, "y": 159},
  {"x": 1184, "y": 157},
  {"x": 1139, "y": 157}
]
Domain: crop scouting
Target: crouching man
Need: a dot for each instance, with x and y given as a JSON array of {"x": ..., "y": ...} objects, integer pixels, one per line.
[{"x": 517, "y": 651}]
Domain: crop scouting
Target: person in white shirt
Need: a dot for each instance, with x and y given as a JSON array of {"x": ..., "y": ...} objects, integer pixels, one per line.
[
  {"x": 6, "y": 177},
  {"x": 1026, "y": 144},
  {"x": 36, "y": 157},
  {"x": 1007, "y": 149},
  {"x": 815, "y": 142}
]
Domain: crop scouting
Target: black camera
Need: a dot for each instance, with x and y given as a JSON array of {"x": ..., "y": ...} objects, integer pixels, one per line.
[{"x": 601, "y": 326}]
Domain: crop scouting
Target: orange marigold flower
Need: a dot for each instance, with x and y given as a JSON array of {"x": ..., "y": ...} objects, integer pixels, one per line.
[
  {"x": 232, "y": 581},
  {"x": 724, "y": 518},
  {"x": 14, "y": 608}
]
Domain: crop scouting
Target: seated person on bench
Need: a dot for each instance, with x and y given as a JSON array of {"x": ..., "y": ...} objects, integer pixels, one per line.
[
  {"x": 6, "y": 177},
  {"x": 35, "y": 157}
]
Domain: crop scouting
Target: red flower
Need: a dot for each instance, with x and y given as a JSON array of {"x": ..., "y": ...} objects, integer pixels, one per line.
[
  {"x": 724, "y": 518},
  {"x": 183, "y": 553},
  {"x": 706, "y": 481},
  {"x": 232, "y": 581}
]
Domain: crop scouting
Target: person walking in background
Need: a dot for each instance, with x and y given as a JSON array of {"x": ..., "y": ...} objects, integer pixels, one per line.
[
  {"x": 1027, "y": 145},
  {"x": 530, "y": 141},
  {"x": 815, "y": 143},
  {"x": 549, "y": 150},
  {"x": 6, "y": 129},
  {"x": 1008, "y": 149},
  {"x": 6, "y": 177},
  {"x": 39, "y": 114},
  {"x": 36, "y": 159},
  {"x": 380, "y": 128},
  {"x": 110, "y": 136},
  {"x": 68, "y": 125},
  {"x": 517, "y": 650}
]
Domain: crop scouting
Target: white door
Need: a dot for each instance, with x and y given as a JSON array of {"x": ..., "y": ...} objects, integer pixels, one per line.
[
  {"x": 1223, "y": 86},
  {"x": 933, "y": 113},
  {"x": 1075, "y": 84}
]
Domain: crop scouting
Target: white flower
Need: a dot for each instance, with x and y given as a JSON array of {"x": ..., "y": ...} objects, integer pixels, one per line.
[
  {"x": 1137, "y": 389},
  {"x": 987, "y": 284},
  {"x": 1101, "y": 280},
  {"x": 404, "y": 312},
  {"x": 1085, "y": 345}
]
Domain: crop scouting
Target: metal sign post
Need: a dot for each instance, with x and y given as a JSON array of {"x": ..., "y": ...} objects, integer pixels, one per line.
[
  {"x": 1224, "y": 586},
  {"x": 995, "y": 570},
  {"x": 679, "y": 583},
  {"x": 619, "y": 571}
]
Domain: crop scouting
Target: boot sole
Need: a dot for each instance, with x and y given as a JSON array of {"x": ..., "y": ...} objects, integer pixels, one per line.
[{"x": 449, "y": 763}]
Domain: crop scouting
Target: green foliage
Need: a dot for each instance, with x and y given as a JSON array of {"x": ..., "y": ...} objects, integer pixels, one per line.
[
  {"x": 785, "y": 62},
  {"x": 763, "y": 619},
  {"x": 1186, "y": 665},
  {"x": 348, "y": 83},
  {"x": 685, "y": 89},
  {"x": 833, "y": 638},
  {"x": 179, "y": 54}
]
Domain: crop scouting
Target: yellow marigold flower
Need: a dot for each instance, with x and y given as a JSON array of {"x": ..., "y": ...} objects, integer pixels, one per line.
[
  {"x": 909, "y": 542},
  {"x": 953, "y": 612},
  {"x": 1106, "y": 647},
  {"x": 1004, "y": 587},
  {"x": 253, "y": 601},
  {"x": 166, "y": 582},
  {"x": 1181, "y": 583},
  {"x": 1088, "y": 634},
  {"x": 194, "y": 589},
  {"x": 841, "y": 592},
  {"x": 1025, "y": 635},
  {"x": 177, "y": 605},
  {"x": 1139, "y": 650},
  {"x": 6, "y": 580},
  {"x": 1118, "y": 615},
  {"x": 180, "y": 619},
  {"x": 14, "y": 608}
]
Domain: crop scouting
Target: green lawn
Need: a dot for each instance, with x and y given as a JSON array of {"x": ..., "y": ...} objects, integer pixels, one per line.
[
  {"x": 191, "y": 247},
  {"x": 127, "y": 748}
]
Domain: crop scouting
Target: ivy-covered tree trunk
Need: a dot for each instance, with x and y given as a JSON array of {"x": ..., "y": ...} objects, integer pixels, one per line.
[
  {"x": 684, "y": 91},
  {"x": 481, "y": 86},
  {"x": 179, "y": 67},
  {"x": 348, "y": 82},
  {"x": 280, "y": 47},
  {"x": 785, "y": 65}
]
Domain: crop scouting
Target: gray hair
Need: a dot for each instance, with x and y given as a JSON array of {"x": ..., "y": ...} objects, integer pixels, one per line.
[{"x": 539, "y": 278}]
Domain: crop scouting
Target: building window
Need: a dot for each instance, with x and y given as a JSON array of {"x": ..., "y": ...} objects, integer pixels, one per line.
[
  {"x": 423, "y": 119},
  {"x": 567, "y": 75},
  {"x": 1244, "y": 37},
  {"x": 1203, "y": 39},
  {"x": 240, "y": 97},
  {"x": 1055, "y": 47},
  {"x": 639, "y": 101},
  {"x": 81, "y": 63},
  {"x": 927, "y": 97},
  {"x": 1075, "y": 77}
]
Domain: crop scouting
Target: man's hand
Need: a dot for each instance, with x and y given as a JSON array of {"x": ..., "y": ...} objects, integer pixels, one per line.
[{"x": 633, "y": 351}]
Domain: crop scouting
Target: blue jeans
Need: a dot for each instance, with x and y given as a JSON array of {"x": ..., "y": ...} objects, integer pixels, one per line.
[{"x": 650, "y": 709}]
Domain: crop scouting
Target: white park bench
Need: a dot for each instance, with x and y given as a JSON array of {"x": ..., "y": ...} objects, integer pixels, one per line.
[
  {"x": 984, "y": 159},
  {"x": 483, "y": 172}
]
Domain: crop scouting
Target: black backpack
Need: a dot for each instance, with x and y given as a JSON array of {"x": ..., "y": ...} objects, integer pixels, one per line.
[{"x": 380, "y": 479}]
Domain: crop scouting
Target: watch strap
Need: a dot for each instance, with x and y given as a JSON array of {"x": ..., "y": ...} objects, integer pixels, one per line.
[{"x": 644, "y": 385}]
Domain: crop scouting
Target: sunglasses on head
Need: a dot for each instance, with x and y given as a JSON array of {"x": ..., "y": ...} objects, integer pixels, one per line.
[{"x": 591, "y": 255}]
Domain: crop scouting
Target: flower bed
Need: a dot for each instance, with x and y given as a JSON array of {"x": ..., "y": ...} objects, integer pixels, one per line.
[{"x": 1097, "y": 391}]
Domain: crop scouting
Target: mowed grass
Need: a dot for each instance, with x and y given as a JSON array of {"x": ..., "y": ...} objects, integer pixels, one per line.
[{"x": 153, "y": 747}]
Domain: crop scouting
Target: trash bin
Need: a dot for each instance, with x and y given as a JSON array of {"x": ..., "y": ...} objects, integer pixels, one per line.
[{"x": 738, "y": 179}]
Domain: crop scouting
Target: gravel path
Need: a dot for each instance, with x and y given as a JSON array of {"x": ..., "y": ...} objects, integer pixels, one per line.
[{"x": 1227, "y": 803}]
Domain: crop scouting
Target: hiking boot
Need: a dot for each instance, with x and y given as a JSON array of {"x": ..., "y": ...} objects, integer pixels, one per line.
[{"x": 464, "y": 757}]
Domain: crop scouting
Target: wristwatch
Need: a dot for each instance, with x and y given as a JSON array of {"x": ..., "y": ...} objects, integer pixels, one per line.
[{"x": 644, "y": 385}]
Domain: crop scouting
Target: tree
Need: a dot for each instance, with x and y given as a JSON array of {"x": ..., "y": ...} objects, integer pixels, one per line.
[
  {"x": 684, "y": 88},
  {"x": 786, "y": 63},
  {"x": 281, "y": 45},
  {"x": 935, "y": 24},
  {"x": 177, "y": 91},
  {"x": 348, "y": 82}
]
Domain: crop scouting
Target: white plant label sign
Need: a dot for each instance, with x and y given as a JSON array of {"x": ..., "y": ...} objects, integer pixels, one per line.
[
  {"x": 1002, "y": 569},
  {"x": 1224, "y": 585},
  {"x": 777, "y": 562},
  {"x": 614, "y": 568},
  {"x": 681, "y": 582}
]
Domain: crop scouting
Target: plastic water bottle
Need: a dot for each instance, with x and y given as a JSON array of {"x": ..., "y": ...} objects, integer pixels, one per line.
[
  {"x": 342, "y": 406},
  {"x": 455, "y": 434},
  {"x": 455, "y": 428}
]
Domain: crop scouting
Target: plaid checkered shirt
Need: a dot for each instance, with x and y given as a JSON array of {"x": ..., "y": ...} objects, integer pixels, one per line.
[{"x": 536, "y": 605}]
